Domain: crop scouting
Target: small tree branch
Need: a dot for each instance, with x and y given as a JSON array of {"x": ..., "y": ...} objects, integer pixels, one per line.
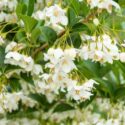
[
  {"x": 89, "y": 17},
  {"x": 39, "y": 49}
]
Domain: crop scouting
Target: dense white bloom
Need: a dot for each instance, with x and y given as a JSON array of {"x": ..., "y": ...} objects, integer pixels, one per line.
[
  {"x": 9, "y": 4},
  {"x": 101, "y": 48},
  {"x": 8, "y": 17},
  {"x": 81, "y": 92},
  {"x": 53, "y": 16},
  {"x": 66, "y": 64},
  {"x": 1, "y": 41},
  {"x": 28, "y": 102},
  {"x": 9, "y": 101},
  {"x": 13, "y": 46},
  {"x": 39, "y": 15},
  {"x": 7, "y": 8},
  {"x": 11, "y": 18},
  {"x": 2, "y": 16},
  {"x": 122, "y": 57},
  {"x": 57, "y": 15},
  {"x": 103, "y": 4},
  {"x": 37, "y": 69},
  {"x": 10, "y": 46},
  {"x": 15, "y": 58},
  {"x": 19, "y": 121},
  {"x": 56, "y": 76},
  {"x": 60, "y": 59}
]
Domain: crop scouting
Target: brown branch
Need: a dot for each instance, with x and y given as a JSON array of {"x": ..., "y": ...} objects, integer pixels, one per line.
[
  {"x": 61, "y": 33},
  {"x": 39, "y": 49},
  {"x": 89, "y": 17}
]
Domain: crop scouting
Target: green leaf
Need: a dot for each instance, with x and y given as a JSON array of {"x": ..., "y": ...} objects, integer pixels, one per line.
[
  {"x": 121, "y": 66},
  {"x": 21, "y": 9},
  {"x": 9, "y": 68},
  {"x": 27, "y": 77},
  {"x": 29, "y": 23},
  {"x": 122, "y": 3},
  {"x": 106, "y": 86},
  {"x": 35, "y": 34},
  {"x": 63, "y": 107},
  {"x": 37, "y": 31},
  {"x": 14, "y": 84},
  {"x": 42, "y": 100},
  {"x": 25, "y": 7},
  {"x": 72, "y": 20},
  {"x": 20, "y": 36},
  {"x": 2, "y": 56},
  {"x": 47, "y": 35},
  {"x": 84, "y": 9},
  {"x": 75, "y": 5},
  {"x": 79, "y": 27},
  {"x": 30, "y": 7},
  {"x": 88, "y": 68},
  {"x": 120, "y": 93},
  {"x": 75, "y": 39},
  {"x": 39, "y": 98}
]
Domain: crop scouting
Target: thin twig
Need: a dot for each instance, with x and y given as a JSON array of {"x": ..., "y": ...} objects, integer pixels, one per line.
[
  {"x": 39, "y": 49},
  {"x": 89, "y": 17}
]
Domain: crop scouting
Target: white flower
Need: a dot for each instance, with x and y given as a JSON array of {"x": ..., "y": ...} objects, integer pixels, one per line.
[
  {"x": 39, "y": 15},
  {"x": 103, "y": 4},
  {"x": 53, "y": 54},
  {"x": 89, "y": 84},
  {"x": 61, "y": 60},
  {"x": 13, "y": 55},
  {"x": 57, "y": 15},
  {"x": 98, "y": 55},
  {"x": 78, "y": 93},
  {"x": 100, "y": 48},
  {"x": 10, "y": 46},
  {"x": 3, "y": 121},
  {"x": 122, "y": 57},
  {"x": 67, "y": 64},
  {"x": 2, "y": 16},
  {"x": 82, "y": 92},
  {"x": 107, "y": 4},
  {"x": 17, "y": 59},
  {"x": 37, "y": 69},
  {"x": 28, "y": 101},
  {"x": 59, "y": 29},
  {"x": 10, "y": 101},
  {"x": 11, "y": 18},
  {"x": 13, "y": 46},
  {"x": 93, "y": 3},
  {"x": 12, "y": 4},
  {"x": 71, "y": 52},
  {"x": 54, "y": 17},
  {"x": 1, "y": 41},
  {"x": 96, "y": 21}
]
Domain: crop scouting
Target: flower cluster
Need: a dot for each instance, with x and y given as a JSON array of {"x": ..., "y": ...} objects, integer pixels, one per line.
[
  {"x": 103, "y": 4},
  {"x": 105, "y": 113},
  {"x": 102, "y": 48},
  {"x": 55, "y": 19},
  {"x": 7, "y": 10},
  {"x": 61, "y": 64},
  {"x": 58, "y": 59},
  {"x": 10, "y": 101}
]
